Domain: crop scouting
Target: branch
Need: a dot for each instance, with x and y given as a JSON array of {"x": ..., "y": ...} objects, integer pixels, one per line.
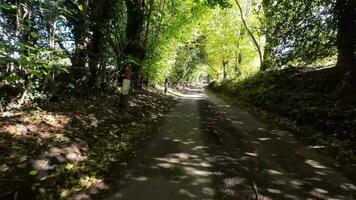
[
  {"x": 250, "y": 32},
  {"x": 148, "y": 18}
]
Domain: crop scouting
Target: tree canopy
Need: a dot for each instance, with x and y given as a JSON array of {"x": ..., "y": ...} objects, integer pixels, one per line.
[{"x": 48, "y": 47}]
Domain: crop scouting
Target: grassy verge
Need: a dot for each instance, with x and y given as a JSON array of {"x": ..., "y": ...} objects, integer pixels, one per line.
[
  {"x": 69, "y": 149},
  {"x": 304, "y": 102}
]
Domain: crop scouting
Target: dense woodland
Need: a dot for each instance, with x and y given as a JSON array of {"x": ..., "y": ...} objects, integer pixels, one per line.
[
  {"x": 47, "y": 46},
  {"x": 295, "y": 59},
  {"x": 50, "y": 47}
]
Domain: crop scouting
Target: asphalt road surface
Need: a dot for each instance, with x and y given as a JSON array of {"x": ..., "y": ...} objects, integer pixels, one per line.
[{"x": 207, "y": 149}]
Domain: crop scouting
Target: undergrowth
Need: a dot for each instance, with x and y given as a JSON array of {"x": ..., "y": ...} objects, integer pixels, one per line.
[{"x": 70, "y": 148}]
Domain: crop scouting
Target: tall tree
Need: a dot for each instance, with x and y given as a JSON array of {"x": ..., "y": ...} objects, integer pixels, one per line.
[
  {"x": 102, "y": 13},
  {"x": 77, "y": 15},
  {"x": 346, "y": 36},
  {"x": 302, "y": 32},
  {"x": 135, "y": 22}
]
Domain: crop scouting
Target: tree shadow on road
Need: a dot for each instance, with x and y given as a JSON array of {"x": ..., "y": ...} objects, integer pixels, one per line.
[{"x": 257, "y": 163}]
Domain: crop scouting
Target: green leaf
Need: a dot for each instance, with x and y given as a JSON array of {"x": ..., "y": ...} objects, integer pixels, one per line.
[
  {"x": 70, "y": 85},
  {"x": 33, "y": 172},
  {"x": 42, "y": 190},
  {"x": 8, "y": 6},
  {"x": 69, "y": 166},
  {"x": 81, "y": 8},
  {"x": 44, "y": 72},
  {"x": 12, "y": 78},
  {"x": 23, "y": 159},
  {"x": 37, "y": 73},
  {"x": 34, "y": 34},
  {"x": 65, "y": 70}
]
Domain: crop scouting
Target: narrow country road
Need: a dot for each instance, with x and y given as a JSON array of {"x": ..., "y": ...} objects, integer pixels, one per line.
[{"x": 206, "y": 149}]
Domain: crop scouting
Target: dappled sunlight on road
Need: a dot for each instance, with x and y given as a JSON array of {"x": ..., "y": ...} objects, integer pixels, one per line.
[
  {"x": 174, "y": 165},
  {"x": 270, "y": 159},
  {"x": 189, "y": 93},
  {"x": 206, "y": 151}
]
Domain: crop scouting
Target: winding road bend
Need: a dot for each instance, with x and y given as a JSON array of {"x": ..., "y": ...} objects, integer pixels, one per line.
[{"x": 207, "y": 149}]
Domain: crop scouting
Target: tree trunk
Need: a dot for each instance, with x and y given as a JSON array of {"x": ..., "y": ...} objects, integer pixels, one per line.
[
  {"x": 95, "y": 52},
  {"x": 267, "y": 62},
  {"x": 224, "y": 63},
  {"x": 346, "y": 37},
  {"x": 135, "y": 22},
  {"x": 78, "y": 20},
  {"x": 148, "y": 20},
  {"x": 51, "y": 29},
  {"x": 103, "y": 12},
  {"x": 238, "y": 61},
  {"x": 267, "y": 57},
  {"x": 254, "y": 40},
  {"x": 24, "y": 26},
  {"x": 79, "y": 57}
]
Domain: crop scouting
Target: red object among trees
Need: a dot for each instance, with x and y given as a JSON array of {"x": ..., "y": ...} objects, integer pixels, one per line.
[{"x": 128, "y": 72}]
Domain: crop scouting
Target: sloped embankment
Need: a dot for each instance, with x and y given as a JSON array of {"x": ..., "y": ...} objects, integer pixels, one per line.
[
  {"x": 308, "y": 101},
  {"x": 70, "y": 149}
]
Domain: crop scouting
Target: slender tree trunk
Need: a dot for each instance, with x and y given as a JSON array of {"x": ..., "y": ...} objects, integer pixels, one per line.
[
  {"x": 21, "y": 34},
  {"x": 95, "y": 52},
  {"x": 238, "y": 61},
  {"x": 238, "y": 53},
  {"x": 224, "y": 64},
  {"x": 80, "y": 54},
  {"x": 267, "y": 57},
  {"x": 254, "y": 40},
  {"x": 79, "y": 57},
  {"x": 148, "y": 20},
  {"x": 267, "y": 52},
  {"x": 24, "y": 26},
  {"x": 157, "y": 31},
  {"x": 51, "y": 32}
]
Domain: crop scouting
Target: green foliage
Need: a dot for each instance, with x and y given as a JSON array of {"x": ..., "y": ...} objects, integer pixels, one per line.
[
  {"x": 189, "y": 60},
  {"x": 100, "y": 36},
  {"x": 81, "y": 47},
  {"x": 222, "y": 3},
  {"x": 229, "y": 43},
  {"x": 299, "y": 31},
  {"x": 27, "y": 48},
  {"x": 225, "y": 41},
  {"x": 173, "y": 29}
]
